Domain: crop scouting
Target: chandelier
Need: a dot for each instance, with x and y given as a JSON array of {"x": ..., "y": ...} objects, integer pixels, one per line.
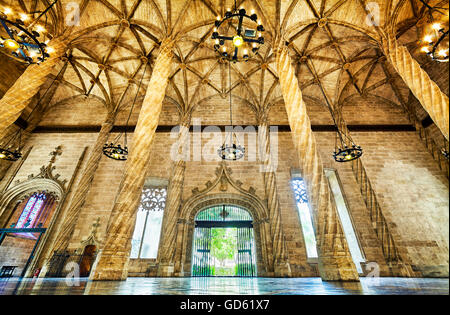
[
  {"x": 231, "y": 150},
  {"x": 345, "y": 149},
  {"x": 237, "y": 34},
  {"x": 345, "y": 153},
  {"x": 11, "y": 146},
  {"x": 23, "y": 37},
  {"x": 7, "y": 151},
  {"x": 115, "y": 150},
  {"x": 435, "y": 41}
]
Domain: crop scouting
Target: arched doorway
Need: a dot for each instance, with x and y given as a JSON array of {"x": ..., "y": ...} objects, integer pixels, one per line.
[
  {"x": 224, "y": 243},
  {"x": 24, "y": 227},
  {"x": 87, "y": 260}
]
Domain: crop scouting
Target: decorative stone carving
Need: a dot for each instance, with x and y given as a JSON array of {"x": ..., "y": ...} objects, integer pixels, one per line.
[
  {"x": 223, "y": 178},
  {"x": 46, "y": 171},
  {"x": 92, "y": 238}
]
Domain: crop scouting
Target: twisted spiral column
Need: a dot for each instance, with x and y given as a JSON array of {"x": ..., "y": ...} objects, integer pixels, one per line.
[
  {"x": 27, "y": 85},
  {"x": 83, "y": 187},
  {"x": 33, "y": 120},
  {"x": 433, "y": 100},
  {"x": 112, "y": 263},
  {"x": 174, "y": 193},
  {"x": 281, "y": 266},
  {"x": 335, "y": 262}
]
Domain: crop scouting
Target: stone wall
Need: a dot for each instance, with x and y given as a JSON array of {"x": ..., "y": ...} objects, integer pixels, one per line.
[{"x": 412, "y": 191}]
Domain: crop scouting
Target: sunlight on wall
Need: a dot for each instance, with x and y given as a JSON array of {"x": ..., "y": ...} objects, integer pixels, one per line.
[{"x": 346, "y": 221}]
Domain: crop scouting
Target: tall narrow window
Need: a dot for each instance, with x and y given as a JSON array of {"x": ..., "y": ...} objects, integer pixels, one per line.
[
  {"x": 301, "y": 197},
  {"x": 344, "y": 216},
  {"x": 147, "y": 231},
  {"x": 29, "y": 214}
]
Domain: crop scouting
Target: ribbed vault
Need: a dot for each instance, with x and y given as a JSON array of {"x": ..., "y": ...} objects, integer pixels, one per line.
[{"x": 332, "y": 42}]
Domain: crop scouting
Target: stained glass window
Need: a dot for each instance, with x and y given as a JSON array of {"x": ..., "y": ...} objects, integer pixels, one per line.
[
  {"x": 301, "y": 197},
  {"x": 147, "y": 231},
  {"x": 31, "y": 211}
]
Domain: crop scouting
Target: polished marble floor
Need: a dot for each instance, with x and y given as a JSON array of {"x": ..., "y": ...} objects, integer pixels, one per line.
[{"x": 225, "y": 286}]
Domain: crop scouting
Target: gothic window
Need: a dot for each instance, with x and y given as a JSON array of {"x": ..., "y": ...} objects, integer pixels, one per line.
[
  {"x": 31, "y": 211},
  {"x": 149, "y": 218},
  {"x": 301, "y": 198}
]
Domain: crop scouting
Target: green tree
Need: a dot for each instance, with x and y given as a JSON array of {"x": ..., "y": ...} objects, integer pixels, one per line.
[{"x": 223, "y": 244}]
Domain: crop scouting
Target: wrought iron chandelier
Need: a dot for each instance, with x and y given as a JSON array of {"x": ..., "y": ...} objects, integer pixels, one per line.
[
  {"x": 238, "y": 34},
  {"x": 23, "y": 37},
  {"x": 343, "y": 152},
  {"x": 345, "y": 149},
  {"x": 435, "y": 33},
  {"x": 7, "y": 150},
  {"x": 115, "y": 150},
  {"x": 11, "y": 146},
  {"x": 231, "y": 150}
]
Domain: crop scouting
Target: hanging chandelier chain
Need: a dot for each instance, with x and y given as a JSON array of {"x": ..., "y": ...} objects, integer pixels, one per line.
[
  {"x": 116, "y": 151},
  {"x": 231, "y": 99},
  {"x": 134, "y": 101},
  {"x": 46, "y": 10},
  {"x": 45, "y": 93}
]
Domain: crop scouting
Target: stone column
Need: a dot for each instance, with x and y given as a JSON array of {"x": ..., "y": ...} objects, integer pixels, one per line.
[
  {"x": 180, "y": 247},
  {"x": 280, "y": 260},
  {"x": 20, "y": 94},
  {"x": 335, "y": 262},
  {"x": 80, "y": 194},
  {"x": 266, "y": 237},
  {"x": 112, "y": 263},
  {"x": 433, "y": 100},
  {"x": 34, "y": 120},
  {"x": 174, "y": 193}
]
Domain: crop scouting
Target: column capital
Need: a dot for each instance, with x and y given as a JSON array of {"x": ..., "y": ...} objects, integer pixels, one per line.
[
  {"x": 185, "y": 119},
  {"x": 263, "y": 117}
]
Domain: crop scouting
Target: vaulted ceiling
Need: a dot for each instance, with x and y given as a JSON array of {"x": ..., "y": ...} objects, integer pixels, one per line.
[{"x": 333, "y": 45}]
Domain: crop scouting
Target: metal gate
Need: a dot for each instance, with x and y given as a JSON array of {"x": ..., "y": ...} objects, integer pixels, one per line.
[
  {"x": 28, "y": 231},
  {"x": 224, "y": 216},
  {"x": 61, "y": 259}
]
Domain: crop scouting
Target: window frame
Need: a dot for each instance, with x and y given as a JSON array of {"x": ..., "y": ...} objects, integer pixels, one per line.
[
  {"x": 297, "y": 176},
  {"x": 165, "y": 187}
]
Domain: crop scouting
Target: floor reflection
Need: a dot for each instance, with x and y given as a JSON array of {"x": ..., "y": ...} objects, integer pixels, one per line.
[{"x": 223, "y": 286}]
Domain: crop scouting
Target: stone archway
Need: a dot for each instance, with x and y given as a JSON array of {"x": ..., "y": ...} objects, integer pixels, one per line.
[
  {"x": 223, "y": 191},
  {"x": 45, "y": 182}
]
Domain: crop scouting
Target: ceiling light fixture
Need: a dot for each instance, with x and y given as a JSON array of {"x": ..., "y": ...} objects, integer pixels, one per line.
[
  {"x": 345, "y": 149},
  {"x": 232, "y": 39},
  {"x": 115, "y": 150},
  {"x": 231, "y": 150},
  {"x": 24, "y": 42},
  {"x": 435, "y": 33}
]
